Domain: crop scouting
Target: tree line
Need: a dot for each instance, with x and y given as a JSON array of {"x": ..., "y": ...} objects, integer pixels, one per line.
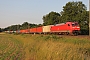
[
  {"x": 25, "y": 25},
  {"x": 72, "y": 11}
]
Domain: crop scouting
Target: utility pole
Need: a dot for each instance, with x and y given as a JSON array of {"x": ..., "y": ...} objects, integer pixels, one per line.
[
  {"x": 89, "y": 17},
  {"x": 18, "y": 28},
  {"x": 28, "y": 28}
]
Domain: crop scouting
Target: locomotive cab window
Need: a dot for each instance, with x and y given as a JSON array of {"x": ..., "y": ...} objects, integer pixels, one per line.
[
  {"x": 75, "y": 24},
  {"x": 68, "y": 24}
]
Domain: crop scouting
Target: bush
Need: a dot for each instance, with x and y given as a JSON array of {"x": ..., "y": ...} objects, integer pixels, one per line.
[{"x": 84, "y": 32}]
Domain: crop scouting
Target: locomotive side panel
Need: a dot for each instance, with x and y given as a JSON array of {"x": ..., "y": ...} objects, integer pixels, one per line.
[{"x": 60, "y": 28}]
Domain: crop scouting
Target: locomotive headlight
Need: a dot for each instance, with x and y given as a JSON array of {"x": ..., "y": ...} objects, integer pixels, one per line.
[{"x": 78, "y": 27}]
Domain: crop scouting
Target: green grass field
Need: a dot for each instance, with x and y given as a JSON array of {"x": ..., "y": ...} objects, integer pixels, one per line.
[{"x": 43, "y": 47}]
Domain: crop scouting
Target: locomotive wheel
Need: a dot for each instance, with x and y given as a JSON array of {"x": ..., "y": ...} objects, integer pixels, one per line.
[
  {"x": 76, "y": 33},
  {"x": 67, "y": 33}
]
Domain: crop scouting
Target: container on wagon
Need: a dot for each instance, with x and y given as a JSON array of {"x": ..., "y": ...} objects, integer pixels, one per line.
[
  {"x": 27, "y": 30},
  {"x": 46, "y": 28},
  {"x": 39, "y": 29},
  {"x": 33, "y": 30},
  {"x": 22, "y": 31}
]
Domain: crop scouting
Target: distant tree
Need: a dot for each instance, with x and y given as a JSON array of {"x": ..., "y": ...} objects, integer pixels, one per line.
[
  {"x": 24, "y": 25},
  {"x": 39, "y": 25},
  {"x": 51, "y": 18},
  {"x": 32, "y": 25},
  {"x": 6, "y": 29},
  {"x": 0, "y": 30},
  {"x": 27, "y": 25},
  {"x": 12, "y": 28},
  {"x": 72, "y": 11},
  {"x": 75, "y": 11}
]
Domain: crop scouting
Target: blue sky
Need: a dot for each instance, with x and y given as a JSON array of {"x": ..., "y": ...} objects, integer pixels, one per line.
[{"x": 18, "y": 11}]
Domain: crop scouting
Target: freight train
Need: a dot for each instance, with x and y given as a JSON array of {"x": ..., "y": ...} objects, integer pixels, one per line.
[{"x": 63, "y": 28}]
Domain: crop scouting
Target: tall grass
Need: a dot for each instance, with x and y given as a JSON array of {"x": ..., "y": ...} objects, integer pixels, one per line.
[
  {"x": 50, "y": 47},
  {"x": 10, "y": 48}
]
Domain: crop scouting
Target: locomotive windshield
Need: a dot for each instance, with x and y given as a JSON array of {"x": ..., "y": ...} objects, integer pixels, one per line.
[{"x": 75, "y": 24}]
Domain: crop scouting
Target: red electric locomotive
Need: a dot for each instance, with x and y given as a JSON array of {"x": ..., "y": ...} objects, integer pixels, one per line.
[{"x": 66, "y": 28}]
